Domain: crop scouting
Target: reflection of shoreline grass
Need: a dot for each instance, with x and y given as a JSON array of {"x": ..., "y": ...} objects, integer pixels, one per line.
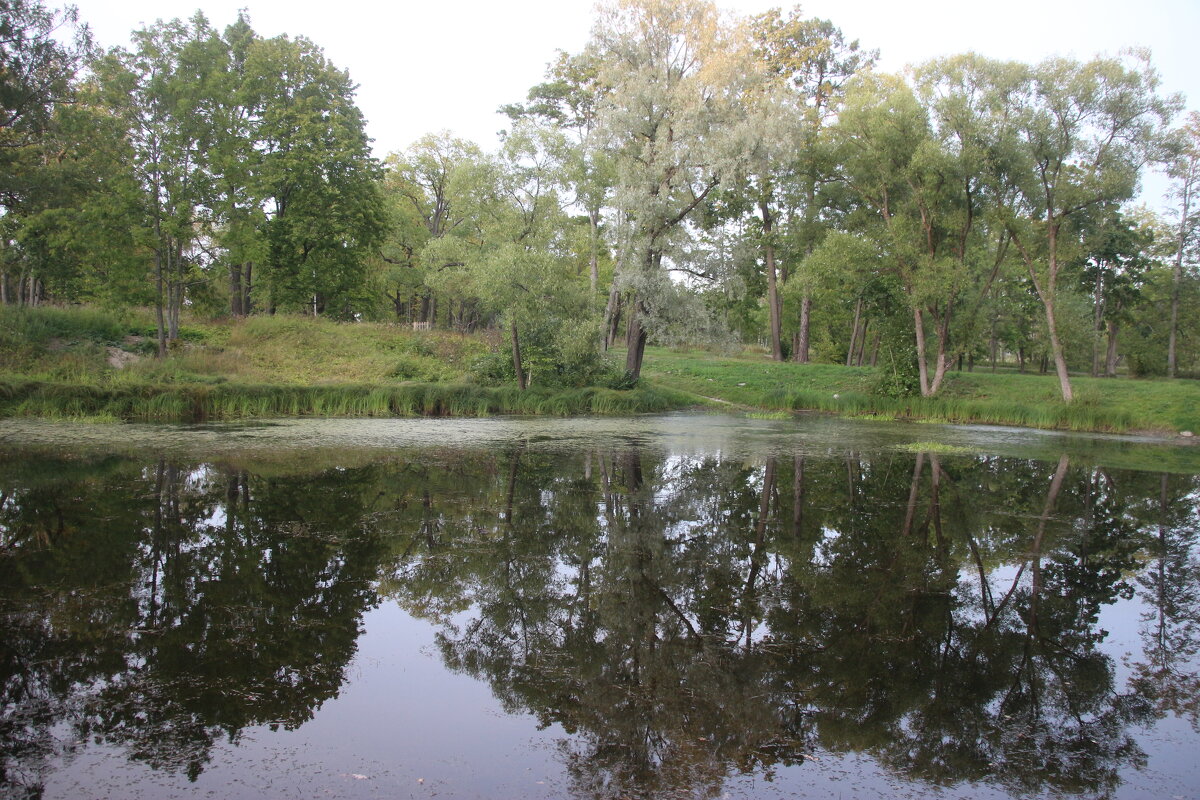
[
  {"x": 194, "y": 402},
  {"x": 1101, "y": 405}
]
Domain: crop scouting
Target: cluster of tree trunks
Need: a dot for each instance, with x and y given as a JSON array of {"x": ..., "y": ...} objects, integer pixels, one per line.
[{"x": 25, "y": 289}]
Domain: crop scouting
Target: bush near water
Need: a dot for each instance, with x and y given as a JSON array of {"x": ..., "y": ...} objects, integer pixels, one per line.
[{"x": 86, "y": 363}]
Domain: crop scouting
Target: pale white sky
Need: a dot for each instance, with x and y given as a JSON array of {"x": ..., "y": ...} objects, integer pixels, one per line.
[{"x": 429, "y": 65}]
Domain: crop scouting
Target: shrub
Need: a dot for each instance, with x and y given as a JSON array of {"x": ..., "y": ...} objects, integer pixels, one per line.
[
  {"x": 897, "y": 374},
  {"x": 555, "y": 353}
]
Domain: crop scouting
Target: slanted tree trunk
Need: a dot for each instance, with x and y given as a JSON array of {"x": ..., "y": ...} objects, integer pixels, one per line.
[
  {"x": 1036, "y": 550},
  {"x": 1056, "y": 348},
  {"x": 943, "y": 340},
  {"x": 757, "y": 556},
  {"x": 929, "y": 387},
  {"x": 1048, "y": 293},
  {"x": 935, "y": 500},
  {"x": 635, "y": 340},
  {"x": 1047, "y": 290},
  {"x": 612, "y": 316},
  {"x": 922, "y": 367},
  {"x": 913, "y": 492}
]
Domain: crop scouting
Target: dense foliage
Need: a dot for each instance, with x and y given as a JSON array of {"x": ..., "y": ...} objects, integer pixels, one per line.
[{"x": 688, "y": 176}]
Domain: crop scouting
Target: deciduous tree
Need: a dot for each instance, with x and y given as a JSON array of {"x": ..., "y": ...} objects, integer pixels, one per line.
[
  {"x": 1084, "y": 132},
  {"x": 1185, "y": 171},
  {"x": 677, "y": 76}
]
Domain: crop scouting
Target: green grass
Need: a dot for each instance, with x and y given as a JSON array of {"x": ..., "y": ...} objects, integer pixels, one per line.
[
  {"x": 61, "y": 363},
  {"x": 76, "y": 344},
  {"x": 58, "y": 363},
  {"x": 183, "y": 402},
  {"x": 40, "y": 326},
  {"x": 1117, "y": 405}
]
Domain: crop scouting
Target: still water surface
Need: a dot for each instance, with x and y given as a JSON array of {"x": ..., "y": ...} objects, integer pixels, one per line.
[{"x": 660, "y": 607}]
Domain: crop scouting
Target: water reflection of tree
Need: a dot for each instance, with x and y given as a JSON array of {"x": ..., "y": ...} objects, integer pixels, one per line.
[
  {"x": 1169, "y": 673},
  {"x": 683, "y": 618},
  {"x": 1013, "y": 688},
  {"x": 611, "y": 623},
  {"x": 161, "y": 608}
]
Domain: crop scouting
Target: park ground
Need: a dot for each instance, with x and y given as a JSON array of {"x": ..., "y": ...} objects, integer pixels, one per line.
[{"x": 93, "y": 365}]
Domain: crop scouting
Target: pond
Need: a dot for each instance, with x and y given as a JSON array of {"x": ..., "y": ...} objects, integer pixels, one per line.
[{"x": 672, "y": 606}]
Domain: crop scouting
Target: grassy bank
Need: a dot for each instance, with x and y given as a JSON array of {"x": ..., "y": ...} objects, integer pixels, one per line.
[
  {"x": 1116, "y": 405},
  {"x": 89, "y": 364},
  {"x": 99, "y": 366},
  {"x": 104, "y": 348}
]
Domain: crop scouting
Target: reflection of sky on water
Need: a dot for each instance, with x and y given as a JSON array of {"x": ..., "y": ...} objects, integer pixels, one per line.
[
  {"x": 402, "y": 725},
  {"x": 383, "y": 727}
]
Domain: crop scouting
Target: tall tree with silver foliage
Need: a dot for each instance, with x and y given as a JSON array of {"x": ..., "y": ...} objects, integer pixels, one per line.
[{"x": 675, "y": 76}]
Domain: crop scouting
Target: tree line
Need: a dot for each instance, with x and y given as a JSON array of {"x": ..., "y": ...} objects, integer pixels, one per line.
[
  {"x": 687, "y": 176},
  {"x": 140, "y": 175}
]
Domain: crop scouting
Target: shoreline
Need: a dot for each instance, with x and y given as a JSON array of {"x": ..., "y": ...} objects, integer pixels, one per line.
[
  {"x": 336, "y": 440},
  {"x": 225, "y": 402}
]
